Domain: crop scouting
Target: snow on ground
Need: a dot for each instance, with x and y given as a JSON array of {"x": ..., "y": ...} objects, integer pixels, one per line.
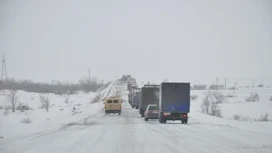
[
  {"x": 60, "y": 113},
  {"x": 237, "y": 105},
  {"x": 129, "y": 132}
]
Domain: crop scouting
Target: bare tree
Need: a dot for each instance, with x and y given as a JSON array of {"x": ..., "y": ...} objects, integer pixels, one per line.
[
  {"x": 215, "y": 110},
  {"x": 206, "y": 104},
  {"x": 13, "y": 98},
  {"x": 253, "y": 97},
  {"x": 210, "y": 104},
  {"x": 44, "y": 98}
]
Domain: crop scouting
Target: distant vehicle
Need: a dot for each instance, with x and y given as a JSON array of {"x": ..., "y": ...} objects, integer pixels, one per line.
[
  {"x": 151, "y": 112},
  {"x": 124, "y": 78},
  {"x": 149, "y": 95},
  {"x": 132, "y": 91},
  {"x": 136, "y": 100},
  {"x": 113, "y": 105},
  {"x": 174, "y": 103}
]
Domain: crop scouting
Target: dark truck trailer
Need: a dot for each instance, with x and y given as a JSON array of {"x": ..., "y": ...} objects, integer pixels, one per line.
[
  {"x": 133, "y": 100},
  {"x": 132, "y": 92},
  {"x": 149, "y": 95},
  {"x": 136, "y": 100},
  {"x": 174, "y": 103}
]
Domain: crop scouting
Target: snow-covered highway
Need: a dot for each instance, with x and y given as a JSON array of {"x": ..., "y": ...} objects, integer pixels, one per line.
[{"x": 129, "y": 133}]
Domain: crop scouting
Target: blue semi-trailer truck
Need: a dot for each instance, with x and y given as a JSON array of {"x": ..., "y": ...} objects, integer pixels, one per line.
[{"x": 174, "y": 102}]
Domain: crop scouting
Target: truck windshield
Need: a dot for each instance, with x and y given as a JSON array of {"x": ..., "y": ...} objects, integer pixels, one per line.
[{"x": 109, "y": 101}]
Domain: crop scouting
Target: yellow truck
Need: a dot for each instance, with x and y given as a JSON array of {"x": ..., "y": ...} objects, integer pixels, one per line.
[{"x": 113, "y": 105}]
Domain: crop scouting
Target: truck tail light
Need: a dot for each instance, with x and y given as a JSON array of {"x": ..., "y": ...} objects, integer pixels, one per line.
[
  {"x": 184, "y": 115},
  {"x": 166, "y": 114}
]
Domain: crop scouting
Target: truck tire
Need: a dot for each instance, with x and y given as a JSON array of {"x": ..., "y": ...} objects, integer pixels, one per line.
[
  {"x": 160, "y": 120},
  {"x": 146, "y": 119},
  {"x": 186, "y": 121},
  {"x": 164, "y": 121},
  {"x": 142, "y": 115},
  {"x": 182, "y": 122},
  {"x": 137, "y": 107}
]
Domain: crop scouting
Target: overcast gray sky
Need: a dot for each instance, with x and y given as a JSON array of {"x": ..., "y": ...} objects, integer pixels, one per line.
[{"x": 182, "y": 40}]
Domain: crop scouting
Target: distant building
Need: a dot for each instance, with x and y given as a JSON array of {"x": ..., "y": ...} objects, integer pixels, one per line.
[
  {"x": 260, "y": 85},
  {"x": 217, "y": 87},
  {"x": 199, "y": 87}
]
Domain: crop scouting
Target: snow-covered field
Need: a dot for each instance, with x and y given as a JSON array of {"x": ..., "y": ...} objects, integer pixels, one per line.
[
  {"x": 90, "y": 130},
  {"x": 237, "y": 105},
  {"x": 60, "y": 112}
]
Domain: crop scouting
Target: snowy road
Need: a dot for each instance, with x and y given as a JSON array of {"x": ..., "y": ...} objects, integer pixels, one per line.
[{"x": 129, "y": 133}]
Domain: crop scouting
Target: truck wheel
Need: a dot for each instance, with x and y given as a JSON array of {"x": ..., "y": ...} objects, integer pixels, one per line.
[
  {"x": 160, "y": 120},
  {"x": 186, "y": 121},
  {"x": 142, "y": 115},
  {"x": 137, "y": 107},
  {"x": 164, "y": 121},
  {"x": 132, "y": 106},
  {"x": 182, "y": 122},
  {"x": 146, "y": 119}
]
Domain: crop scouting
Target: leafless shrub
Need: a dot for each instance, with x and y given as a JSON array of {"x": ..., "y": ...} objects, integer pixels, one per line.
[
  {"x": 215, "y": 110},
  {"x": 210, "y": 105},
  {"x": 253, "y": 97},
  {"x": 205, "y": 107},
  {"x": 246, "y": 118},
  {"x": 236, "y": 117},
  {"x": 66, "y": 100},
  {"x": 219, "y": 97},
  {"x": 193, "y": 97},
  {"x": 264, "y": 118},
  {"x": 44, "y": 98},
  {"x": 13, "y": 98},
  {"x": 23, "y": 107},
  {"x": 229, "y": 96},
  {"x": 56, "y": 87},
  {"x": 26, "y": 120}
]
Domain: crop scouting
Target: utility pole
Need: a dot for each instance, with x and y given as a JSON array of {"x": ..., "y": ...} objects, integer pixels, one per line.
[
  {"x": 89, "y": 74},
  {"x": 4, "y": 73},
  {"x": 234, "y": 87},
  {"x": 225, "y": 83},
  {"x": 216, "y": 84}
]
